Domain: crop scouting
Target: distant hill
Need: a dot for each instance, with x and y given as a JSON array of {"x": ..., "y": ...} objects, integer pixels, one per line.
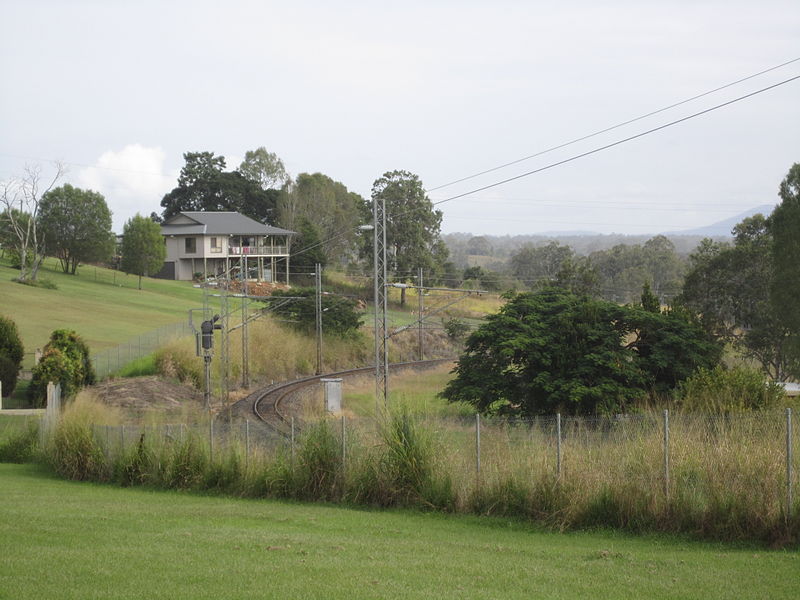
[{"x": 723, "y": 228}]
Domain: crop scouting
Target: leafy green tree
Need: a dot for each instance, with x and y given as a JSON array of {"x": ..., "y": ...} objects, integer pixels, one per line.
[
  {"x": 546, "y": 352},
  {"x": 479, "y": 246},
  {"x": 340, "y": 316},
  {"x": 329, "y": 207},
  {"x": 728, "y": 286},
  {"x": 76, "y": 225},
  {"x": 309, "y": 244},
  {"x": 539, "y": 265},
  {"x": 204, "y": 185},
  {"x": 65, "y": 360},
  {"x": 784, "y": 225},
  {"x": 412, "y": 224},
  {"x": 143, "y": 249},
  {"x": 554, "y": 351},
  {"x": 264, "y": 168},
  {"x": 11, "y": 354}
]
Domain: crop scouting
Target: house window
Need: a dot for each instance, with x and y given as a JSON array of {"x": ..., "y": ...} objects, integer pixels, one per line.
[
  {"x": 215, "y": 245},
  {"x": 191, "y": 245}
]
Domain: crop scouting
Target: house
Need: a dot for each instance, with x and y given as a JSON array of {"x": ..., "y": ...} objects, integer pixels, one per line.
[{"x": 217, "y": 243}]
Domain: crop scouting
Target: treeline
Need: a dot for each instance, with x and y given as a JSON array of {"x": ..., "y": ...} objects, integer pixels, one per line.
[
  {"x": 326, "y": 215},
  {"x": 616, "y": 274}
]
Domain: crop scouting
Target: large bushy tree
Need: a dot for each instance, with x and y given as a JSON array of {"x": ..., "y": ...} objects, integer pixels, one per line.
[
  {"x": 76, "y": 225},
  {"x": 555, "y": 351},
  {"x": 339, "y": 314},
  {"x": 784, "y": 226},
  {"x": 143, "y": 249},
  {"x": 204, "y": 185},
  {"x": 11, "y": 354}
]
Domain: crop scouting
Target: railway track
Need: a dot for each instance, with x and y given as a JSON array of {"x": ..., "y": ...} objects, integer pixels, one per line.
[{"x": 269, "y": 405}]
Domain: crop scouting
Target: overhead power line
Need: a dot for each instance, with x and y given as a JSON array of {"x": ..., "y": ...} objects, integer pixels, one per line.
[
  {"x": 611, "y": 128},
  {"x": 617, "y": 143}
]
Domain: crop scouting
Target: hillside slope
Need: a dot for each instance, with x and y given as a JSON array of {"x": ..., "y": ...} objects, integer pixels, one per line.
[{"x": 103, "y": 306}]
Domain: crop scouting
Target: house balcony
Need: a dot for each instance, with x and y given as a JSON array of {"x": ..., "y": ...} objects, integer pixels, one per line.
[{"x": 258, "y": 250}]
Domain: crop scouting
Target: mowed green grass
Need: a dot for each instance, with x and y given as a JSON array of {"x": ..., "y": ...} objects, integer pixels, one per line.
[
  {"x": 103, "y": 306},
  {"x": 61, "y": 539}
]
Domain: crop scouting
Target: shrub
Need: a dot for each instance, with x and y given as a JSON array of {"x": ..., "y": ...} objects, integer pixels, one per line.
[
  {"x": 65, "y": 360},
  {"x": 11, "y": 353},
  {"x": 456, "y": 329},
  {"x": 317, "y": 476},
  {"x": 728, "y": 390}
]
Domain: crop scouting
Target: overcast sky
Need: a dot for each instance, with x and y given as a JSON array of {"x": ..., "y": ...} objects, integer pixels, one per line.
[{"x": 120, "y": 90}]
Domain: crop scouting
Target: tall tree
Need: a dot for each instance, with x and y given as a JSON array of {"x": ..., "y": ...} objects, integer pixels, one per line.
[
  {"x": 143, "y": 249},
  {"x": 204, "y": 185},
  {"x": 76, "y": 225},
  {"x": 329, "y": 207},
  {"x": 728, "y": 286},
  {"x": 413, "y": 226},
  {"x": 264, "y": 168},
  {"x": 20, "y": 198},
  {"x": 784, "y": 225}
]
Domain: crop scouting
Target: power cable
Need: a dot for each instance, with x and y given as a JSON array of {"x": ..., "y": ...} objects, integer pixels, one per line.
[
  {"x": 617, "y": 143},
  {"x": 611, "y": 128}
]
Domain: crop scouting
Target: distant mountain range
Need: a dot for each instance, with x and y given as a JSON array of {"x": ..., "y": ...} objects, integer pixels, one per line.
[{"x": 723, "y": 228}]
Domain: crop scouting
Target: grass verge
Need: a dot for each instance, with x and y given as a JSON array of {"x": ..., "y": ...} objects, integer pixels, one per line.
[{"x": 98, "y": 541}]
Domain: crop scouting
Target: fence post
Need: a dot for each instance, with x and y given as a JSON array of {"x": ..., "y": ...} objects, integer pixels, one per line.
[
  {"x": 789, "y": 499},
  {"x": 344, "y": 444},
  {"x": 292, "y": 441},
  {"x": 666, "y": 453},
  {"x": 478, "y": 444},
  {"x": 246, "y": 442},
  {"x": 558, "y": 445},
  {"x": 211, "y": 438},
  {"x": 122, "y": 437}
]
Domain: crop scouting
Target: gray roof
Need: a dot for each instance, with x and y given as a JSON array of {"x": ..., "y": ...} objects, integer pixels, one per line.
[{"x": 219, "y": 223}]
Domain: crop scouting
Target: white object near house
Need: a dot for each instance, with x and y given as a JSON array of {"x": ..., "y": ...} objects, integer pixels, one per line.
[
  {"x": 333, "y": 394},
  {"x": 216, "y": 243}
]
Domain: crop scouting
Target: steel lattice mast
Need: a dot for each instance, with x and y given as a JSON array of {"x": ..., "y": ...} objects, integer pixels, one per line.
[{"x": 379, "y": 296}]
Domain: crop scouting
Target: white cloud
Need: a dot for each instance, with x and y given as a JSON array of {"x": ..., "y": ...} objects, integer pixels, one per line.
[{"x": 132, "y": 180}]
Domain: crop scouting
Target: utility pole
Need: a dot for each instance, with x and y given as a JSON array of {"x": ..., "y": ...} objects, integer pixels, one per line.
[
  {"x": 318, "y": 314},
  {"x": 245, "y": 341},
  {"x": 379, "y": 296},
  {"x": 421, "y": 308}
]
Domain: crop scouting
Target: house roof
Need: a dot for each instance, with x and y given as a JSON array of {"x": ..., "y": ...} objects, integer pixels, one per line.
[{"x": 217, "y": 223}]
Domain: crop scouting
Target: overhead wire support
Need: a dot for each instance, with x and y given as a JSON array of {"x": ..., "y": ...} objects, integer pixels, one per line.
[{"x": 380, "y": 300}]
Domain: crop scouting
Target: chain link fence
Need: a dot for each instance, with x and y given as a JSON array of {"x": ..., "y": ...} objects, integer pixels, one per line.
[{"x": 110, "y": 361}]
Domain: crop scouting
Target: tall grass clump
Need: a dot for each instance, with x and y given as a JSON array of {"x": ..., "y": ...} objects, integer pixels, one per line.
[
  {"x": 71, "y": 448},
  {"x": 21, "y": 444},
  {"x": 402, "y": 470},
  {"x": 319, "y": 471}
]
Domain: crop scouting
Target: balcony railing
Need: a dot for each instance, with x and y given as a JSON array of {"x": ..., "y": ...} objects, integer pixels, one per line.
[{"x": 258, "y": 250}]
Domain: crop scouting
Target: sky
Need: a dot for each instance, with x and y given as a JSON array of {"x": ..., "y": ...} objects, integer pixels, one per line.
[{"x": 119, "y": 90}]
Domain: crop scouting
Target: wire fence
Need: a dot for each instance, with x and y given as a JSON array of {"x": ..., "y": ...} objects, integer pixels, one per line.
[
  {"x": 110, "y": 361},
  {"x": 702, "y": 460}
]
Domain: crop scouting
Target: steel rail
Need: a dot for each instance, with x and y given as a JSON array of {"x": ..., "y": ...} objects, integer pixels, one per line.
[{"x": 266, "y": 404}]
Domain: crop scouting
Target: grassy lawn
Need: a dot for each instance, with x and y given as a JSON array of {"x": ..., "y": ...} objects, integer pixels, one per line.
[
  {"x": 415, "y": 391},
  {"x": 62, "y": 539},
  {"x": 102, "y": 305}
]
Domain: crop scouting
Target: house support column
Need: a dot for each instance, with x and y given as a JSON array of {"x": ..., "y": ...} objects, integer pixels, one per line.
[{"x": 287, "y": 270}]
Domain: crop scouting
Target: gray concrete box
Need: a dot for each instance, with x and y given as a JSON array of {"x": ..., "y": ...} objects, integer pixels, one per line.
[{"x": 333, "y": 394}]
